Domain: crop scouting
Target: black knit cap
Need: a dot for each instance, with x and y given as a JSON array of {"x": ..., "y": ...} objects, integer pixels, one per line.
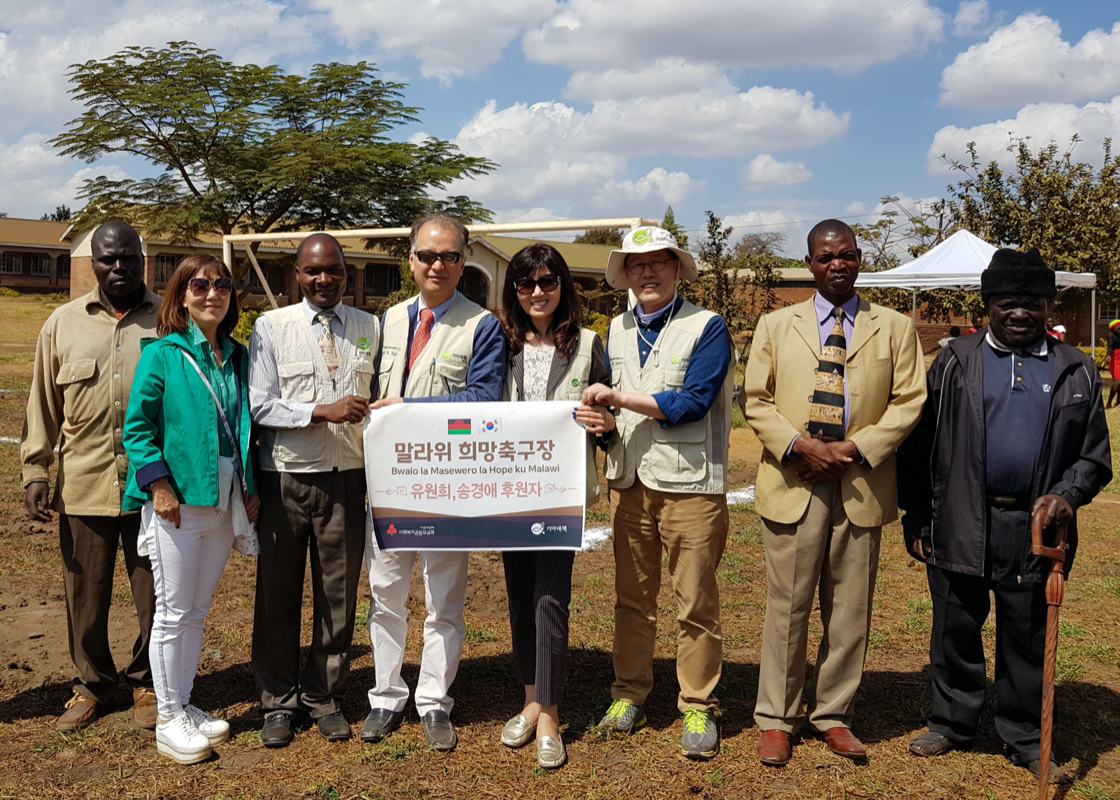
[{"x": 1017, "y": 272}]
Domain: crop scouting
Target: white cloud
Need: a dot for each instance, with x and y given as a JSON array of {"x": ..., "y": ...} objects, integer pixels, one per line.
[
  {"x": 1027, "y": 61},
  {"x": 1042, "y": 122},
  {"x": 598, "y": 36},
  {"x": 766, "y": 172},
  {"x": 972, "y": 16},
  {"x": 449, "y": 39},
  {"x": 790, "y": 222},
  {"x": 36, "y": 180},
  {"x": 665, "y": 77}
]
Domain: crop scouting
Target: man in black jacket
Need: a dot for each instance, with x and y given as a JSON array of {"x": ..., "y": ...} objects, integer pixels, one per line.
[{"x": 1013, "y": 422}]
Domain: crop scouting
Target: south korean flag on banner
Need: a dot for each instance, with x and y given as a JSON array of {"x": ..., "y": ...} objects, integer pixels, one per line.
[{"x": 490, "y": 426}]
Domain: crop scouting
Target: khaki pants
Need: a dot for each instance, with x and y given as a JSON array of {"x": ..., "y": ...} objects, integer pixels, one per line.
[
  {"x": 823, "y": 549},
  {"x": 692, "y": 531}
]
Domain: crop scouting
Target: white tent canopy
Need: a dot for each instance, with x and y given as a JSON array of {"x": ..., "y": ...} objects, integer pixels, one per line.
[{"x": 956, "y": 263}]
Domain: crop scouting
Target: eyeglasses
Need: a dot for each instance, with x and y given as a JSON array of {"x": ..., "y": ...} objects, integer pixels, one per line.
[
  {"x": 657, "y": 266},
  {"x": 429, "y": 257},
  {"x": 201, "y": 286},
  {"x": 547, "y": 283}
]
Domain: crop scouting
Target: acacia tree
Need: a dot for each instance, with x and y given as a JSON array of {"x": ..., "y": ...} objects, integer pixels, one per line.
[{"x": 251, "y": 149}]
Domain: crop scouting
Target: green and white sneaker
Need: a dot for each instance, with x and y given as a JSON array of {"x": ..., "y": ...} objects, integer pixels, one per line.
[
  {"x": 700, "y": 738},
  {"x": 622, "y": 717}
]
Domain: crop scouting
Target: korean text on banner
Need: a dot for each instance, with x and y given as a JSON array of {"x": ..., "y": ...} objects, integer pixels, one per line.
[{"x": 476, "y": 476}]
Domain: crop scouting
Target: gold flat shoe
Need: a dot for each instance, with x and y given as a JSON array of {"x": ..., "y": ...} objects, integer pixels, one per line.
[
  {"x": 550, "y": 752},
  {"x": 518, "y": 731}
]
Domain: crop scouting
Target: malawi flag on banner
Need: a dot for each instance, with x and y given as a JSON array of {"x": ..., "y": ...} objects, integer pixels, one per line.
[{"x": 459, "y": 426}]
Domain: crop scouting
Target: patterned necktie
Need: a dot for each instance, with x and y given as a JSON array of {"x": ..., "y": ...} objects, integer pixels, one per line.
[
  {"x": 826, "y": 414},
  {"x": 327, "y": 343},
  {"x": 422, "y": 335}
]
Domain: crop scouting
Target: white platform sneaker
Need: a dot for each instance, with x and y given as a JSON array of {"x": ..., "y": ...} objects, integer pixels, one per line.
[
  {"x": 179, "y": 738},
  {"x": 215, "y": 730}
]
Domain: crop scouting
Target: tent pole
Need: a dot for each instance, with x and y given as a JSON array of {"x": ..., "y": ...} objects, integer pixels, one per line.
[
  {"x": 1093, "y": 324},
  {"x": 914, "y": 306}
]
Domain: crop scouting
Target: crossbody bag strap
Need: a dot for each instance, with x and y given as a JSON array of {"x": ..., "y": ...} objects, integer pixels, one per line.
[{"x": 222, "y": 414}]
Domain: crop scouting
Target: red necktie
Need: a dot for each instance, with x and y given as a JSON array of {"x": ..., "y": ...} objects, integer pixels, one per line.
[{"x": 422, "y": 335}]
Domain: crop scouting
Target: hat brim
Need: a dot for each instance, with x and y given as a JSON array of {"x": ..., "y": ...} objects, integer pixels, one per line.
[{"x": 616, "y": 274}]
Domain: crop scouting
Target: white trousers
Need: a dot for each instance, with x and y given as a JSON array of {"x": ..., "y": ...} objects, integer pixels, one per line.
[
  {"x": 445, "y": 589},
  {"x": 187, "y": 563}
]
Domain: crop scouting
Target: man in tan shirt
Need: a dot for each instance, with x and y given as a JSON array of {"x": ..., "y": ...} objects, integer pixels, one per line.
[{"x": 84, "y": 362}]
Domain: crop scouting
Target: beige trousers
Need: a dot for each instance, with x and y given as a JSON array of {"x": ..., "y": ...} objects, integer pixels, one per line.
[
  {"x": 823, "y": 549},
  {"x": 692, "y": 531}
]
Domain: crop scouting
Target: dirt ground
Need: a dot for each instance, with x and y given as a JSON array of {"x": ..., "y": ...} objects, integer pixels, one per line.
[{"x": 114, "y": 759}]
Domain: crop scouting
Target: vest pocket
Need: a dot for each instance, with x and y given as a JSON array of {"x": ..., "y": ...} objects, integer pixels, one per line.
[
  {"x": 678, "y": 454},
  {"x": 297, "y": 380},
  {"x": 450, "y": 377}
]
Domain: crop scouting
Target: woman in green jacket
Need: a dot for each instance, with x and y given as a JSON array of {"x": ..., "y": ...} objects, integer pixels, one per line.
[{"x": 187, "y": 437}]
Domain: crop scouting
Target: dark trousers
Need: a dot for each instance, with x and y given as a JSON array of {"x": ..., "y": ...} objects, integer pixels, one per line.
[
  {"x": 539, "y": 585},
  {"x": 89, "y": 555},
  {"x": 323, "y": 512},
  {"x": 960, "y": 607}
]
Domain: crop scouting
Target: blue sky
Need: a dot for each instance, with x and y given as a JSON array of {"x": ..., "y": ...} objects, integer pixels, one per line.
[{"x": 774, "y": 115}]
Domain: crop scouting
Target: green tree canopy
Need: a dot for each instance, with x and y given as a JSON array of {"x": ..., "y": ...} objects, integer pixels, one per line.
[
  {"x": 607, "y": 236},
  {"x": 669, "y": 223},
  {"x": 251, "y": 149}
]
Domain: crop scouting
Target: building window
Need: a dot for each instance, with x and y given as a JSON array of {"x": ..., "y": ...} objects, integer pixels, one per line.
[
  {"x": 64, "y": 266},
  {"x": 39, "y": 264},
  {"x": 163, "y": 265},
  {"x": 382, "y": 279},
  {"x": 11, "y": 263},
  {"x": 1108, "y": 313},
  {"x": 393, "y": 279}
]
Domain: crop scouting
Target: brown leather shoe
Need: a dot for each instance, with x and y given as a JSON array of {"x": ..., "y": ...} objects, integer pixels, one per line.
[
  {"x": 844, "y": 743},
  {"x": 144, "y": 709},
  {"x": 80, "y": 712},
  {"x": 773, "y": 748}
]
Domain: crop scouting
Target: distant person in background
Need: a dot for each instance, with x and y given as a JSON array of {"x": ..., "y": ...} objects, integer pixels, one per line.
[
  {"x": 977, "y": 323},
  {"x": 1114, "y": 360},
  {"x": 1055, "y": 329},
  {"x": 84, "y": 362},
  {"x": 187, "y": 436},
  {"x": 550, "y": 358},
  {"x": 954, "y": 332}
]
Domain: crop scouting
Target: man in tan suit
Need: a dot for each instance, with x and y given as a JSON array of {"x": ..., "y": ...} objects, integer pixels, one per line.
[{"x": 832, "y": 387}]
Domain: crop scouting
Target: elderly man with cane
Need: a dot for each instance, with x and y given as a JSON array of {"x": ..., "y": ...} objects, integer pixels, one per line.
[{"x": 1013, "y": 428}]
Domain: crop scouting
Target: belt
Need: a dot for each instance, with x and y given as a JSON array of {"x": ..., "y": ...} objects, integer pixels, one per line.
[{"x": 1010, "y": 503}]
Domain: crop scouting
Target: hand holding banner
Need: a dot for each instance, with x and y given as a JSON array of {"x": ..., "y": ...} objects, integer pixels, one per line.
[{"x": 476, "y": 476}]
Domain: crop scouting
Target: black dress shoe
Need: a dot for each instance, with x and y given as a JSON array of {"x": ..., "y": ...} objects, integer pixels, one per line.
[
  {"x": 333, "y": 727},
  {"x": 277, "y": 730},
  {"x": 380, "y": 723},
  {"x": 439, "y": 733}
]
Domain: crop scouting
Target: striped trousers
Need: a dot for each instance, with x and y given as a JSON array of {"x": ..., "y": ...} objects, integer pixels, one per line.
[{"x": 539, "y": 585}]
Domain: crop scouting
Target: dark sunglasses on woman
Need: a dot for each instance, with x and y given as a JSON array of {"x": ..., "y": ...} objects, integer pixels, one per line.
[
  {"x": 200, "y": 286},
  {"x": 547, "y": 283}
]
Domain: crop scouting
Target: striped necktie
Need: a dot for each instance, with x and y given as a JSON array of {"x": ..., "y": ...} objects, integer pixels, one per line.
[
  {"x": 826, "y": 412},
  {"x": 327, "y": 343},
  {"x": 421, "y": 336}
]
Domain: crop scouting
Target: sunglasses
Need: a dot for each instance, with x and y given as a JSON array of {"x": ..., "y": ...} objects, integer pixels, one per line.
[
  {"x": 429, "y": 257},
  {"x": 200, "y": 286},
  {"x": 547, "y": 283}
]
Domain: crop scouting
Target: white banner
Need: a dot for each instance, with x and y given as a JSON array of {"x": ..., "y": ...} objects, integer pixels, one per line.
[{"x": 476, "y": 476}]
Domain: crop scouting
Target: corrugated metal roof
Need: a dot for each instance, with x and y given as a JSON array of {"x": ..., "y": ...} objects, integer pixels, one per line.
[
  {"x": 584, "y": 257},
  {"x": 32, "y": 232}
]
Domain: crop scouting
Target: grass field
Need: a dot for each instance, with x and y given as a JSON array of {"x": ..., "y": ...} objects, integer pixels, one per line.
[{"x": 113, "y": 759}]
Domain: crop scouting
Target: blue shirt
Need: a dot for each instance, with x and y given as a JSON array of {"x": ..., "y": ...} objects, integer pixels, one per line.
[
  {"x": 1016, "y": 407},
  {"x": 704, "y": 376},
  {"x": 487, "y": 368}
]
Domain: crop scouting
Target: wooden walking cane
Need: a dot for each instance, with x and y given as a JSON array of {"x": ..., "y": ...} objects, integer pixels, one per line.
[{"x": 1055, "y": 590}]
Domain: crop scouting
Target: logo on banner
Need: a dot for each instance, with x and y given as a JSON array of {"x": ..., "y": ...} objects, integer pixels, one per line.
[
  {"x": 459, "y": 427},
  {"x": 391, "y": 529},
  {"x": 490, "y": 426},
  {"x": 537, "y": 528}
]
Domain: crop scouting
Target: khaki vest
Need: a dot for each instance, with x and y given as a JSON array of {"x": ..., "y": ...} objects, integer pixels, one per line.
[
  {"x": 570, "y": 387},
  {"x": 304, "y": 378},
  {"x": 441, "y": 367},
  {"x": 691, "y": 457}
]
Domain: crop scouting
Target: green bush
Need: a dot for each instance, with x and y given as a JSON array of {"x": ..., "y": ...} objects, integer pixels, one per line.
[
  {"x": 245, "y": 324},
  {"x": 597, "y": 322},
  {"x": 1102, "y": 354},
  {"x": 7, "y": 291}
]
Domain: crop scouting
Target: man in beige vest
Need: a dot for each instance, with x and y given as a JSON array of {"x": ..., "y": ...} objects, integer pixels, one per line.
[
  {"x": 311, "y": 377},
  {"x": 666, "y": 466},
  {"x": 84, "y": 362},
  {"x": 437, "y": 347},
  {"x": 833, "y": 386}
]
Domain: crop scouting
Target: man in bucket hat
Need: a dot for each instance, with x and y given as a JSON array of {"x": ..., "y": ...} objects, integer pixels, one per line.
[
  {"x": 1013, "y": 423},
  {"x": 671, "y": 388}
]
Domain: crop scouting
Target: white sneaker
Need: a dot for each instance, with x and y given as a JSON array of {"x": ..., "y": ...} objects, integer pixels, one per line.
[
  {"x": 215, "y": 730},
  {"x": 179, "y": 738}
]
